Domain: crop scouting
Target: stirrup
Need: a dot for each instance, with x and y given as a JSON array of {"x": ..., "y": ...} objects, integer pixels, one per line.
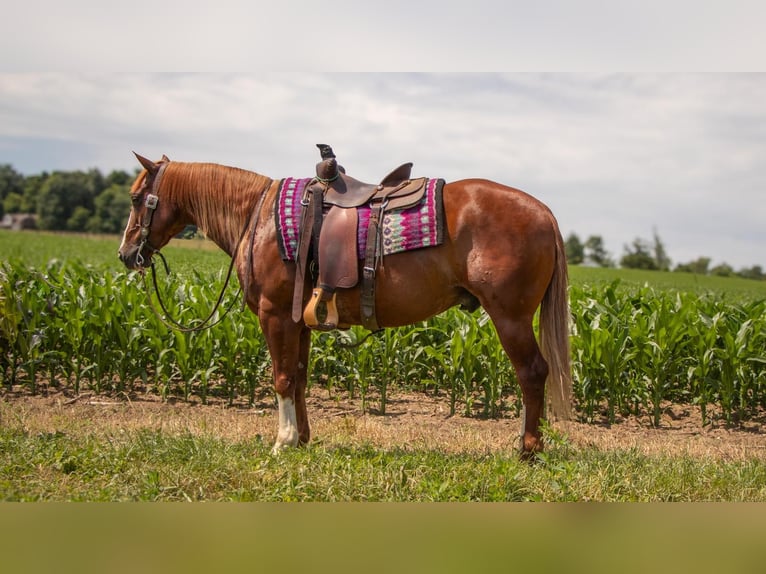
[{"x": 321, "y": 312}]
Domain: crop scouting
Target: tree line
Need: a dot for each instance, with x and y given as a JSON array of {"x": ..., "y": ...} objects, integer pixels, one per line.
[
  {"x": 649, "y": 255},
  {"x": 84, "y": 201}
]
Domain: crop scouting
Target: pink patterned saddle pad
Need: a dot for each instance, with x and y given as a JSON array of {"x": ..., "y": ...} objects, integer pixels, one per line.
[{"x": 413, "y": 228}]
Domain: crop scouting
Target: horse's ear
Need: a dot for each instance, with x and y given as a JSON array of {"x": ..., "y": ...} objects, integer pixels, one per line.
[
  {"x": 165, "y": 158},
  {"x": 148, "y": 164}
]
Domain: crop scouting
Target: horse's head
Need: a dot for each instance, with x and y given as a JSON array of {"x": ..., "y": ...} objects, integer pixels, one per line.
[{"x": 153, "y": 221}]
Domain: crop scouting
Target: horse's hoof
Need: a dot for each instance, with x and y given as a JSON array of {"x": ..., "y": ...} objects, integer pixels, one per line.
[
  {"x": 530, "y": 456},
  {"x": 278, "y": 449},
  {"x": 530, "y": 448}
]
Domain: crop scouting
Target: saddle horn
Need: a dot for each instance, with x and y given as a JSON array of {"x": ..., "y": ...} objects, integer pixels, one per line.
[{"x": 326, "y": 151}]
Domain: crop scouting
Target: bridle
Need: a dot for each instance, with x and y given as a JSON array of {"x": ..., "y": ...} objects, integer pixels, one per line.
[{"x": 151, "y": 202}]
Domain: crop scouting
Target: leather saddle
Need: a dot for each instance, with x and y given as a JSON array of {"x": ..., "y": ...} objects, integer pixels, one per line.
[
  {"x": 330, "y": 223},
  {"x": 396, "y": 187}
]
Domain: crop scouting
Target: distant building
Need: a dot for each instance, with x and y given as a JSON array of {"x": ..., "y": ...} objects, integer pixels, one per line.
[{"x": 19, "y": 221}]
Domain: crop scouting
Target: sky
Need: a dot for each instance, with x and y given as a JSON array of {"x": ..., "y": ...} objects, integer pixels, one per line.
[{"x": 618, "y": 154}]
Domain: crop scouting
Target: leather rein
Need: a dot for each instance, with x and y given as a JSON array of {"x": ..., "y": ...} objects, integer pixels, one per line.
[{"x": 151, "y": 202}]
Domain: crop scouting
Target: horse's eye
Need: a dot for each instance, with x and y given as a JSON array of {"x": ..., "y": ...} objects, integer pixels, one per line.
[{"x": 135, "y": 200}]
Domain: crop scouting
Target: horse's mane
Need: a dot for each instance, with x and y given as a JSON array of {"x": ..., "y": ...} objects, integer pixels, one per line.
[{"x": 220, "y": 198}]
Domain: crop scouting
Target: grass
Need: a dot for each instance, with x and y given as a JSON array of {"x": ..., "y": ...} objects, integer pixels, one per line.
[
  {"x": 150, "y": 465},
  {"x": 36, "y": 249},
  {"x": 735, "y": 286}
]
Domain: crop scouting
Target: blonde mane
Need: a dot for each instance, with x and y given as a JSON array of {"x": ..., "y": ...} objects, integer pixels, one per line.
[{"x": 219, "y": 198}]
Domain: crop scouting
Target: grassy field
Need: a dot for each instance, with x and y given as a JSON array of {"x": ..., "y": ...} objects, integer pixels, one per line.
[
  {"x": 149, "y": 465},
  {"x": 38, "y": 249},
  {"x": 107, "y": 450},
  {"x": 728, "y": 286},
  {"x": 66, "y": 460}
]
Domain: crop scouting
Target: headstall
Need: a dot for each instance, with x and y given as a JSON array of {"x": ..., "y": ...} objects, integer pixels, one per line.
[{"x": 151, "y": 202}]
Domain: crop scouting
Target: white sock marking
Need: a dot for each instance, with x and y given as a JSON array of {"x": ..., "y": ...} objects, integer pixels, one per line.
[{"x": 287, "y": 434}]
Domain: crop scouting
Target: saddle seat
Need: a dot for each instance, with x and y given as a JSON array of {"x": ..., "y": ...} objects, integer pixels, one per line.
[
  {"x": 331, "y": 204},
  {"x": 346, "y": 191}
]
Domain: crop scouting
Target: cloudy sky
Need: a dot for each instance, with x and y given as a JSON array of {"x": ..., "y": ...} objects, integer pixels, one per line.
[{"x": 616, "y": 154}]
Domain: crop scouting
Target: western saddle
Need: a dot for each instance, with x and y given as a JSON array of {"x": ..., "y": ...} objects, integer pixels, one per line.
[{"x": 328, "y": 237}]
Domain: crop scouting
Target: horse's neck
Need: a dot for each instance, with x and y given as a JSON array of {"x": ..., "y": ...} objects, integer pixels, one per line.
[{"x": 220, "y": 201}]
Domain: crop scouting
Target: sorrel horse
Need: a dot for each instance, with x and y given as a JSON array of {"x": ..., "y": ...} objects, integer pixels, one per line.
[{"x": 502, "y": 249}]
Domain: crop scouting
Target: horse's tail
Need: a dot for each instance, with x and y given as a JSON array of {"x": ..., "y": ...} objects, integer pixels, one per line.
[{"x": 554, "y": 334}]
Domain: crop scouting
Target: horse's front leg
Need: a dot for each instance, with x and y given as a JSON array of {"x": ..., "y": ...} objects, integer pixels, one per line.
[{"x": 289, "y": 345}]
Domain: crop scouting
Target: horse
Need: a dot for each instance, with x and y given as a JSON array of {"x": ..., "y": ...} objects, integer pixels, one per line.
[{"x": 502, "y": 249}]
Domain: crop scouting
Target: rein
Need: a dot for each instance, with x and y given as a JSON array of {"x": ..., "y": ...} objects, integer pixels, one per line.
[
  {"x": 151, "y": 203},
  {"x": 173, "y": 323}
]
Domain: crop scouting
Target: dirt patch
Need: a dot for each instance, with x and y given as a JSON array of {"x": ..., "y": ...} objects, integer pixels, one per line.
[{"x": 412, "y": 420}]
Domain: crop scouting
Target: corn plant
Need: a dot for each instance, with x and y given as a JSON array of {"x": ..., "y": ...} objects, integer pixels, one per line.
[
  {"x": 497, "y": 374},
  {"x": 741, "y": 355},
  {"x": 633, "y": 347},
  {"x": 662, "y": 357},
  {"x": 679, "y": 347},
  {"x": 702, "y": 370},
  {"x": 27, "y": 311},
  {"x": 10, "y": 323},
  {"x": 231, "y": 336},
  {"x": 603, "y": 349}
]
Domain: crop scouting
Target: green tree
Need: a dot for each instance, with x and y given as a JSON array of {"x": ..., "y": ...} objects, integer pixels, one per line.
[
  {"x": 754, "y": 272},
  {"x": 11, "y": 182},
  {"x": 596, "y": 253},
  {"x": 64, "y": 192},
  {"x": 111, "y": 209},
  {"x": 188, "y": 232},
  {"x": 575, "y": 249},
  {"x": 722, "y": 270},
  {"x": 661, "y": 259},
  {"x": 118, "y": 177},
  {"x": 642, "y": 254},
  {"x": 79, "y": 219},
  {"x": 32, "y": 185},
  {"x": 12, "y": 203},
  {"x": 700, "y": 266},
  {"x": 638, "y": 255}
]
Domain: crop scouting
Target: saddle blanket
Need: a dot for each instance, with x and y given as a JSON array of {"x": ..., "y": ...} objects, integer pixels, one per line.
[{"x": 413, "y": 228}]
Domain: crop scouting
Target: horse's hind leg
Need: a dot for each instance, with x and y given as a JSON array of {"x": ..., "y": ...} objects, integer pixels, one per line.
[{"x": 518, "y": 339}]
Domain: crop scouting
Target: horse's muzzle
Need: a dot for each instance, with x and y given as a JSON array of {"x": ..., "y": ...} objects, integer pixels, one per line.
[{"x": 134, "y": 258}]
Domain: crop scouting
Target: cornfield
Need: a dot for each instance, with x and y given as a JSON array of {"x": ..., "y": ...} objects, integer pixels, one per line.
[{"x": 633, "y": 347}]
